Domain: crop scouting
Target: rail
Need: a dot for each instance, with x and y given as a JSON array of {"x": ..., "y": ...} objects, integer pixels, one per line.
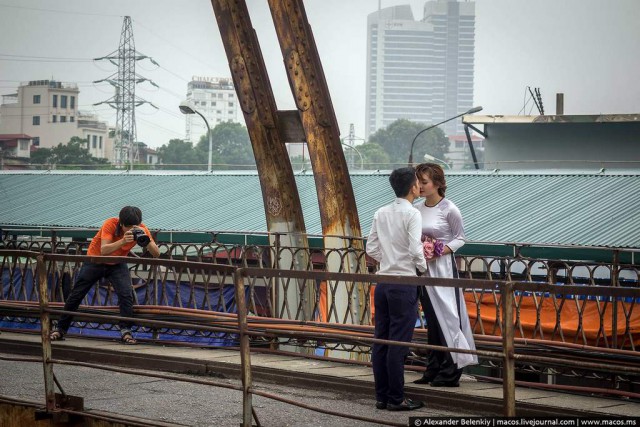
[{"x": 251, "y": 330}]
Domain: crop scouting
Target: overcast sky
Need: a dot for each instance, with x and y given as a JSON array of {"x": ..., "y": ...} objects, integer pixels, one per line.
[{"x": 587, "y": 49}]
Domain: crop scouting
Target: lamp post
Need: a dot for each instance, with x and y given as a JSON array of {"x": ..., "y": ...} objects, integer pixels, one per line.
[
  {"x": 185, "y": 108},
  {"x": 357, "y": 151},
  {"x": 435, "y": 159},
  {"x": 471, "y": 111}
]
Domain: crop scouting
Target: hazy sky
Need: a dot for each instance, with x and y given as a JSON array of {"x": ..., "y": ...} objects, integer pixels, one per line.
[{"x": 587, "y": 49}]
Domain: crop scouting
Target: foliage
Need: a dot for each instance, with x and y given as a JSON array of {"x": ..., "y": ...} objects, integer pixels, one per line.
[
  {"x": 179, "y": 154},
  {"x": 374, "y": 156},
  {"x": 396, "y": 140},
  {"x": 72, "y": 155},
  {"x": 231, "y": 146}
]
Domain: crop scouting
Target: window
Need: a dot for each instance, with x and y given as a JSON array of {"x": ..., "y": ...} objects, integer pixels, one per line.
[
  {"x": 231, "y": 104},
  {"x": 63, "y": 101},
  {"x": 63, "y": 119},
  {"x": 100, "y": 143},
  {"x": 72, "y": 119},
  {"x": 36, "y": 99},
  {"x": 73, "y": 102},
  {"x": 24, "y": 145},
  {"x": 54, "y": 119},
  {"x": 36, "y": 121},
  {"x": 54, "y": 102},
  {"x": 213, "y": 104},
  {"x": 459, "y": 144},
  {"x": 36, "y": 141},
  {"x": 94, "y": 141}
]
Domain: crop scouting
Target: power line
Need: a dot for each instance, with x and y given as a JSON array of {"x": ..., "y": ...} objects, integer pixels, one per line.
[{"x": 59, "y": 11}]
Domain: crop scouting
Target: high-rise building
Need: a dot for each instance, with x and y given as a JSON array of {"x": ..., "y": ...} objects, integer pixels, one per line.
[
  {"x": 215, "y": 98},
  {"x": 420, "y": 70}
]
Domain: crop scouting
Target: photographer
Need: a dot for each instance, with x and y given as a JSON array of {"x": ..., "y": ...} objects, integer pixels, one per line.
[{"x": 116, "y": 237}]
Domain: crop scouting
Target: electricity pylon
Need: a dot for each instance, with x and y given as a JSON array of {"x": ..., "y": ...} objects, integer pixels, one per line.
[{"x": 125, "y": 100}]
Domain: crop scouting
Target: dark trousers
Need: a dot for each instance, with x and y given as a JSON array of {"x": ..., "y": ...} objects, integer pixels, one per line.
[
  {"x": 440, "y": 365},
  {"x": 89, "y": 274},
  {"x": 395, "y": 316}
]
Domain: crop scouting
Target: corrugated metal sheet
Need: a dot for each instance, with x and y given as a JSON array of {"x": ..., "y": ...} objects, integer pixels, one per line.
[{"x": 570, "y": 208}]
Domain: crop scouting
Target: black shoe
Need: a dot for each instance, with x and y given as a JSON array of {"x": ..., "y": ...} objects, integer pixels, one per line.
[
  {"x": 381, "y": 405},
  {"x": 426, "y": 378},
  {"x": 406, "y": 405},
  {"x": 440, "y": 383}
]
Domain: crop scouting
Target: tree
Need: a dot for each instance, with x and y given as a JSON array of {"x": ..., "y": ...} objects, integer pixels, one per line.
[
  {"x": 231, "y": 146},
  {"x": 374, "y": 156},
  {"x": 396, "y": 140},
  {"x": 179, "y": 154},
  {"x": 41, "y": 156},
  {"x": 72, "y": 155}
]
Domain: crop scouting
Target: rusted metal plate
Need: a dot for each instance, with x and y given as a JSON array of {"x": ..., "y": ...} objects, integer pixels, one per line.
[
  {"x": 279, "y": 192},
  {"x": 338, "y": 211}
]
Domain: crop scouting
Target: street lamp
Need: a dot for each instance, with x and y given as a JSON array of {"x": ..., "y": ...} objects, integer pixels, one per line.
[
  {"x": 435, "y": 159},
  {"x": 357, "y": 151},
  {"x": 185, "y": 108},
  {"x": 471, "y": 111}
]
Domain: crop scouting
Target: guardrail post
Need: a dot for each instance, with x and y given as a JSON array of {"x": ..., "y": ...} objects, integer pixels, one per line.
[
  {"x": 508, "y": 368},
  {"x": 245, "y": 353},
  {"x": 615, "y": 271},
  {"x": 41, "y": 271}
]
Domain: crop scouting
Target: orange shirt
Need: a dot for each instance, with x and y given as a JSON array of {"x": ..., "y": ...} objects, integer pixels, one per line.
[{"x": 108, "y": 231}]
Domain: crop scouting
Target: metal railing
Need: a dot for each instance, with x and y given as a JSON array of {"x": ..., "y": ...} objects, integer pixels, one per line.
[{"x": 44, "y": 268}]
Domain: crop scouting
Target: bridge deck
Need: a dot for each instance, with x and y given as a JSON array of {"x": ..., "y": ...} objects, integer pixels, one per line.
[{"x": 472, "y": 396}]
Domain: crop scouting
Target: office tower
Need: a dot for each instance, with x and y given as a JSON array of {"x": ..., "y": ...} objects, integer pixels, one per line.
[
  {"x": 420, "y": 70},
  {"x": 215, "y": 98}
]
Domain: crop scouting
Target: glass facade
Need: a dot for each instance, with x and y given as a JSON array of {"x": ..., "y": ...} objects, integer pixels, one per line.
[{"x": 420, "y": 70}]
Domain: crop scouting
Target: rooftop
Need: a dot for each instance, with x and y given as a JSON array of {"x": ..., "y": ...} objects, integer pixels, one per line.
[{"x": 598, "y": 208}]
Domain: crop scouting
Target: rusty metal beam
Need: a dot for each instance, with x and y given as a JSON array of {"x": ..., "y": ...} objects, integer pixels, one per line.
[
  {"x": 279, "y": 192},
  {"x": 338, "y": 211}
]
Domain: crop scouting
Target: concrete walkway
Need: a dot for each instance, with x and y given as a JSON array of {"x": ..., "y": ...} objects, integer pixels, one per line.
[{"x": 472, "y": 396}]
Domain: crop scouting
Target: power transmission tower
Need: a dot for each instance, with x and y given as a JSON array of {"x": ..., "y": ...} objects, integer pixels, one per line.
[{"x": 125, "y": 100}]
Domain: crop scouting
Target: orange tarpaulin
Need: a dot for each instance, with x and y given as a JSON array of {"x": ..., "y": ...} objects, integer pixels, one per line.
[
  {"x": 591, "y": 331},
  {"x": 567, "y": 327}
]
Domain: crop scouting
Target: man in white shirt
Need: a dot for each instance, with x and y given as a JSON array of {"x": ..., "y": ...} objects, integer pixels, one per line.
[{"x": 394, "y": 241}]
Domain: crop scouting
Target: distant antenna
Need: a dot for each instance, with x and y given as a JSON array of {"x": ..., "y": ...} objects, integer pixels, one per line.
[
  {"x": 537, "y": 99},
  {"x": 125, "y": 101}
]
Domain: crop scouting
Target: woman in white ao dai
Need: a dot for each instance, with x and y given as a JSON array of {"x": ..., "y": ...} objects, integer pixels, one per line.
[{"x": 445, "y": 310}]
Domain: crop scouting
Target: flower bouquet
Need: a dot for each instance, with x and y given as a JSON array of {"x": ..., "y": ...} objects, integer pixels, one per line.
[{"x": 431, "y": 247}]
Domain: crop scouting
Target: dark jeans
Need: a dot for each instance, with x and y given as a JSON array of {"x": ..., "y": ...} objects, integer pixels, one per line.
[
  {"x": 440, "y": 365},
  {"x": 395, "y": 318},
  {"x": 89, "y": 274}
]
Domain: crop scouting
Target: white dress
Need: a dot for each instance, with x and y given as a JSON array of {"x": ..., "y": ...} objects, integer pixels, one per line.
[{"x": 444, "y": 222}]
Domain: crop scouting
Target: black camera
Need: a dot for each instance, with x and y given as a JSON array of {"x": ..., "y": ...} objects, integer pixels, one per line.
[{"x": 140, "y": 237}]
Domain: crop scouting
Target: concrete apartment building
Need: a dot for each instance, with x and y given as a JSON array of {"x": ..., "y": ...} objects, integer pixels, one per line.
[
  {"x": 420, "y": 70},
  {"x": 47, "y": 112},
  {"x": 215, "y": 98}
]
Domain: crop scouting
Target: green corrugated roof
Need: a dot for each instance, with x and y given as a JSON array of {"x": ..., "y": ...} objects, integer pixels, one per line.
[{"x": 547, "y": 207}]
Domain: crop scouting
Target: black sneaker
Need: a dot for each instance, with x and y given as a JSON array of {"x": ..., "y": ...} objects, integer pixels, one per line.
[
  {"x": 406, "y": 405},
  {"x": 381, "y": 405}
]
